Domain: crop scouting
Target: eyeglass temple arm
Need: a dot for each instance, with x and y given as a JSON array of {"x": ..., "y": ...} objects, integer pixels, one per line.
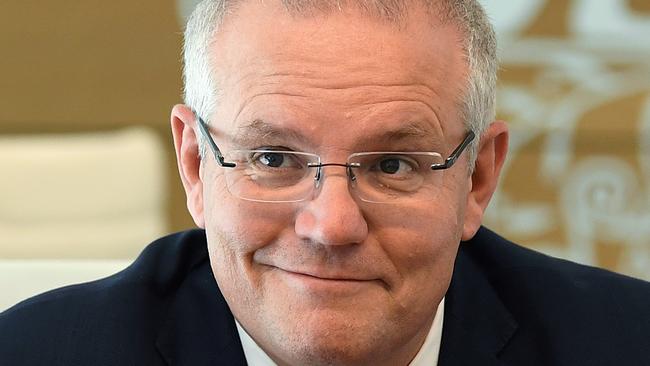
[
  {"x": 449, "y": 162},
  {"x": 203, "y": 127}
]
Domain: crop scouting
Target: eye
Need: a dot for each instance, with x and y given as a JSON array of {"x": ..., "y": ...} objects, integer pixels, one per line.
[
  {"x": 396, "y": 165},
  {"x": 390, "y": 166},
  {"x": 271, "y": 159},
  {"x": 276, "y": 160}
]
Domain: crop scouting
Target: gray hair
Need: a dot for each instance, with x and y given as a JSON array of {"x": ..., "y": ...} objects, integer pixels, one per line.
[{"x": 477, "y": 105}]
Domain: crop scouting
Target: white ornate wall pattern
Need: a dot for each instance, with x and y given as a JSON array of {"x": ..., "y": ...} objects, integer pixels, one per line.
[{"x": 575, "y": 85}]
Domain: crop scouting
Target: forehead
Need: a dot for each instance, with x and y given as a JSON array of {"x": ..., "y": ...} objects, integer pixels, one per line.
[{"x": 343, "y": 69}]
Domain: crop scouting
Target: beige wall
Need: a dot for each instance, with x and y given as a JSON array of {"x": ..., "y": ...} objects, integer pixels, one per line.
[{"x": 89, "y": 65}]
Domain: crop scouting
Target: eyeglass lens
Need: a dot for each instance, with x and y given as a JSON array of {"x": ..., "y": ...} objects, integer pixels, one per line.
[{"x": 288, "y": 176}]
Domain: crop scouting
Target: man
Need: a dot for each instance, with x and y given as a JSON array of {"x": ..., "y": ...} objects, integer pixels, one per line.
[{"x": 337, "y": 154}]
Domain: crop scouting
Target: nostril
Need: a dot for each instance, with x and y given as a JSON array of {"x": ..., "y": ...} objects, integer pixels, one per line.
[{"x": 331, "y": 222}]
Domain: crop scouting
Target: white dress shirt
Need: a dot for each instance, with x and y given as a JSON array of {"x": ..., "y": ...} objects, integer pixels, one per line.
[{"x": 426, "y": 356}]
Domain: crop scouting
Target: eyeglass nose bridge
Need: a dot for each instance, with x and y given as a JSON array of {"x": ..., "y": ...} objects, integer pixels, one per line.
[{"x": 319, "y": 168}]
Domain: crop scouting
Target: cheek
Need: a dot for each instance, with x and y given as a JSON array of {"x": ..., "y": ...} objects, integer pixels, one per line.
[
  {"x": 422, "y": 246},
  {"x": 240, "y": 226},
  {"x": 456, "y": 188},
  {"x": 235, "y": 229}
]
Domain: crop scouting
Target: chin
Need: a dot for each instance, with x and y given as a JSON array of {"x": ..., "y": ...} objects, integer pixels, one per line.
[
  {"x": 332, "y": 338},
  {"x": 333, "y": 351}
]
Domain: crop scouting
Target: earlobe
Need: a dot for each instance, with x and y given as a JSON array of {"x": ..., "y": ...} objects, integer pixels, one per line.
[
  {"x": 188, "y": 159},
  {"x": 489, "y": 161}
]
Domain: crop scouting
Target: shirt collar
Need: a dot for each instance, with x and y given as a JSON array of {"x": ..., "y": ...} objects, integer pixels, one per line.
[
  {"x": 255, "y": 356},
  {"x": 427, "y": 355}
]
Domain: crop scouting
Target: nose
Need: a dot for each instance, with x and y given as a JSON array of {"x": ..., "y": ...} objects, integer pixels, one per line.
[{"x": 333, "y": 217}]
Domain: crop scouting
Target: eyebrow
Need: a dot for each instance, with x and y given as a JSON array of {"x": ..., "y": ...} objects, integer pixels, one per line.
[
  {"x": 260, "y": 130},
  {"x": 406, "y": 131}
]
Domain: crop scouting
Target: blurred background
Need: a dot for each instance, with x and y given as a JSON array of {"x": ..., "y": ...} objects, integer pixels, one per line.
[{"x": 88, "y": 177}]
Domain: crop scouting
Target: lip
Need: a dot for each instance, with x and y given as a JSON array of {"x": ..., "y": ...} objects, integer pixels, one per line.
[
  {"x": 322, "y": 276},
  {"x": 311, "y": 282}
]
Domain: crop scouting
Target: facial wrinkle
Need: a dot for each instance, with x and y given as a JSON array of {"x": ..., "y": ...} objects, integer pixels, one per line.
[
  {"x": 250, "y": 98},
  {"x": 260, "y": 130},
  {"x": 390, "y": 95}
]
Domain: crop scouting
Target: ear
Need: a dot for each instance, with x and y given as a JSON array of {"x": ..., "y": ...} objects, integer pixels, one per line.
[
  {"x": 189, "y": 163},
  {"x": 489, "y": 161}
]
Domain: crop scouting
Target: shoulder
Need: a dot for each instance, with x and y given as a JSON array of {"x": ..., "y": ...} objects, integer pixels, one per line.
[
  {"x": 126, "y": 306},
  {"x": 512, "y": 266},
  {"x": 561, "y": 306}
]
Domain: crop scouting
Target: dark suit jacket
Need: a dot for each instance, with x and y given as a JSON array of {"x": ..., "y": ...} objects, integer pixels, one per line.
[{"x": 506, "y": 306}]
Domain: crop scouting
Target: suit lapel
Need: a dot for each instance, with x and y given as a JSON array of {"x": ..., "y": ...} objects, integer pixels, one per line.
[
  {"x": 477, "y": 326},
  {"x": 200, "y": 329}
]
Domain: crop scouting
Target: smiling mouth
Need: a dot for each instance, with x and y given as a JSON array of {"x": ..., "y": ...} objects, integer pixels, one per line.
[
  {"x": 325, "y": 278},
  {"x": 326, "y": 284},
  {"x": 322, "y": 276}
]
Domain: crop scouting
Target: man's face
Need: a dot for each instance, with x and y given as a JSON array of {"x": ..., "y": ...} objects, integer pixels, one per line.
[{"x": 335, "y": 279}]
